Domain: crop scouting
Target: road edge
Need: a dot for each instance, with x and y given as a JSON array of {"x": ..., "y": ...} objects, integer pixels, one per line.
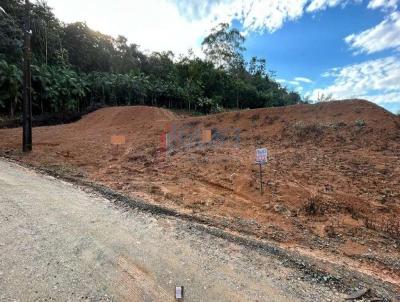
[{"x": 333, "y": 275}]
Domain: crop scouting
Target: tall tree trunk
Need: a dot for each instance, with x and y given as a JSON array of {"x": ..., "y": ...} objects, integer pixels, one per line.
[
  {"x": 12, "y": 107},
  {"x": 46, "y": 42},
  {"x": 41, "y": 100},
  {"x": 62, "y": 110}
]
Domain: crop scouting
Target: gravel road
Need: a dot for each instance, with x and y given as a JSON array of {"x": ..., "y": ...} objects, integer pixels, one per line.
[{"x": 59, "y": 242}]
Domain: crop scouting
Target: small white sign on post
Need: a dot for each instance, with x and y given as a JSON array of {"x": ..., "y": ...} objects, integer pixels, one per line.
[
  {"x": 261, "y": 159},
  {"x": 261, "y": 156},
  {"x": 179, "y": 292}
]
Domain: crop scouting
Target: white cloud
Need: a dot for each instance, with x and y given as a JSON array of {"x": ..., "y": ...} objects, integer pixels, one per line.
[
  {"x": 295, "y": 83},
  {"x": 316, "y": 5},
  {"x": 270, "y": 15},
  {"x": 194, "y": 9},
  {"x": 386, "y": 4},
  {"x": 155, "y": 25},
  {"x": 176, "y": 25},
  {"x": 303, "y": 79},
  {"x": 382, "y": 99},
  {"x": 385, "y": 35},
  {"x": 181, "y": 24},
  {"x": 377, "y": 80},
  {"x": 255, "y": 15}
]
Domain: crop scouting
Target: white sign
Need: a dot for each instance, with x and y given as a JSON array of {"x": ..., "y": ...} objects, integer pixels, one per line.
[
  {"x": 261, "y": 156},
  {"x": 179, "y": 292}
]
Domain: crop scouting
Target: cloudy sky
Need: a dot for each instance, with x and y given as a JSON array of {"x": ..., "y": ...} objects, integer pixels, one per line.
[{"x": 347, "y": 48}]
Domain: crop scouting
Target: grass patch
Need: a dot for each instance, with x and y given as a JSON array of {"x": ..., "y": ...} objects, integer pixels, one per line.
[
  {"x": 360, "y": 123},
  {"x": 314, "y": 206},
  {"x": 308, "y": 131}
]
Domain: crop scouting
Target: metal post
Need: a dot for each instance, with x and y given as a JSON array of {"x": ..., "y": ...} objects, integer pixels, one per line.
[
  {"x": 27, "y": 102},
  {"x": 261, "y": 180}
]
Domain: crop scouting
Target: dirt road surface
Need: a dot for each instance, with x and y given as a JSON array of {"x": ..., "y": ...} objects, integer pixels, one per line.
[{"x": 61, "y": 243}]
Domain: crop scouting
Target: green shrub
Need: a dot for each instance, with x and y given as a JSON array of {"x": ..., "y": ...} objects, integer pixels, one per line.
[{"x": 360, "y": 123}]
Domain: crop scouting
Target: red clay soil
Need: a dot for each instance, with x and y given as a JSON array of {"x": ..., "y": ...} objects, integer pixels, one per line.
[{"x": 332, "y": 183}]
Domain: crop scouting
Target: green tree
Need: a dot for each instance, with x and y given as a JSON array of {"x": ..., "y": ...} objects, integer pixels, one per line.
[
  {"x": 10, "y": 86},
  {"x": 257, "y": 67},
  {"x": 224, "y": 47},
  {"x": 11, "y": 35},
  {"x": 47, "y": 35},
  {"x": 88, "y": 50},
  {"x": 76, "y": 67}
]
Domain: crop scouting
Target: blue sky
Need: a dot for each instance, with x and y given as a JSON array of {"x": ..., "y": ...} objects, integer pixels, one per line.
[
  {"x": 338, "y": 48},
  {"x": 310, "y": 46}
]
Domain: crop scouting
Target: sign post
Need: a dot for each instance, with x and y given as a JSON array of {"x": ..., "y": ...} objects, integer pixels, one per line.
[{"x": 261, "y": 159}]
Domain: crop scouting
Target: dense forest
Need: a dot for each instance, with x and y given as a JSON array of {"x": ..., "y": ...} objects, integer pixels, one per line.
[{"x": 75, "y": 67}]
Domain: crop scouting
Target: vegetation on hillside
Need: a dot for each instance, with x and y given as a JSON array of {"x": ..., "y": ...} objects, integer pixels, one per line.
[{"x": 75, "y": 67}]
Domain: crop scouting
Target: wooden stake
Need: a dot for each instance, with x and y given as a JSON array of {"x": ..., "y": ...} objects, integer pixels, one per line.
[{"x": 261, "y": 180}]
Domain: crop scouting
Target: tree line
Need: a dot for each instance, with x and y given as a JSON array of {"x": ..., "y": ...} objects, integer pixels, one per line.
[{"x": 76, "y": 67}]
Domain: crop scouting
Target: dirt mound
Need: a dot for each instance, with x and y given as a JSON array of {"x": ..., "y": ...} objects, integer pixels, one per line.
[
  {"x": 332, "y": 180},
  {"x": 337, "y": 122},
  {"x": 124, "y": 117}
]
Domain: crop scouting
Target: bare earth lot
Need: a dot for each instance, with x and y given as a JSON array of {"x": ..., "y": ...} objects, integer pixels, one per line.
[
  {"x": 332, "y": 182},
  {"x": 59, "y": 243}
]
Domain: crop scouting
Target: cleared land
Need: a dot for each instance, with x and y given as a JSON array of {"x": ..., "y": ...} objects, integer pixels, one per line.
[
  {"x": 331, "y": 185},
  {"x": 59, "y": 243}
]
